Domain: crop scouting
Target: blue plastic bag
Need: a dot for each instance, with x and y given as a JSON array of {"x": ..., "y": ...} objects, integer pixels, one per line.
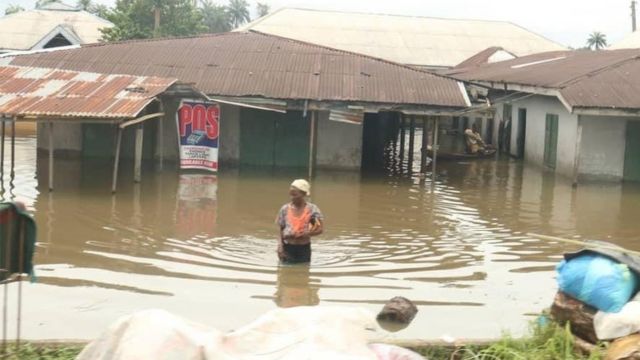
[{"x": 598, "y": 281}]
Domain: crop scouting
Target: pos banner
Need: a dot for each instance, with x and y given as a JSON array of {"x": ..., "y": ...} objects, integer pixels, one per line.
[{"x": 198, "y": 130}]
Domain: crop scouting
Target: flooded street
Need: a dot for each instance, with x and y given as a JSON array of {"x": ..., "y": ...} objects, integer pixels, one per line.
[{"x": 203, "y": 247}]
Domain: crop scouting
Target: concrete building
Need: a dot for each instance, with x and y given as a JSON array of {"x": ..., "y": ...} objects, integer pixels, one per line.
[
  {"x": 573, "y": 112},
  {"x": 412, "y": 40},
  {"x": 285, "y": 103},
  {"x": 51, "y": 25}
]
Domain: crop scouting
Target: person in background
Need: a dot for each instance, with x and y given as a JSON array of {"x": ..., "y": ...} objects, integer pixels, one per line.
[
  {"x": 298, "y": 222},
  {"x": 474, "y": 140}
]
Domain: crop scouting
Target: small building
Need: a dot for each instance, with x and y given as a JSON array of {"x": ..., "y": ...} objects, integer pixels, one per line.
[
  {"x": 573, "y": 112},
  {"x": 285, "y": 103},
  {"x": 429, "y": 42},
  {"x": 87, "y": 113},
  {"x": 49, "y": 26}
]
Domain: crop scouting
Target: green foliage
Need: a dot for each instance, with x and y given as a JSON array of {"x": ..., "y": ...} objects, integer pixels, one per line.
[
  {"x": 550, "y": 342},
  {"x": 31, "y": 352},
  {"x": 597, "y": 41},
  {"x": 216, "y": 18},
  {"x": 239, "y": 12},
  {"x": 12, "y": 9},
  {"x": 134, "y": 19},
  {"x": 263, "y": 9}
]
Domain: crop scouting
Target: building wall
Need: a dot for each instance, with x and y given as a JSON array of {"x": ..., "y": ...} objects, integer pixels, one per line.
[
  {"x": 339, "y": 145},
  {"x": 67, "y": 138},
  {"x": 229, "y": 135},
  {"x": 602, "y": 147}
]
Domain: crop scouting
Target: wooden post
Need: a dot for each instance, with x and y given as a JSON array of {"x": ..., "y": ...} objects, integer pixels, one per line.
[
  {"x": 312, "y": 143},
  {"x": 50, "y": 156},
  {"x": 114, "y": 182},
  {"x": 137, "y": 168},
  {"x": 435, "y": 147},
  {"x": 423, "y": 151},
  {"x": 576, "y": 161},
  {"x": 2, "y": 149},
  {"x": 161, "y": 138},
  {"x": 13, "y": 147},
  {"x": 402, "y": 139},
  {"x": 412, "y": 135}
]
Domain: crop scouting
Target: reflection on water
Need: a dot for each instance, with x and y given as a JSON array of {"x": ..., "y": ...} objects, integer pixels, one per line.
[{"x": 203, "y": 246}]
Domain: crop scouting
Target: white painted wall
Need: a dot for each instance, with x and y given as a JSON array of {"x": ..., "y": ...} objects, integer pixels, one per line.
[
  {"x": 537, "y": 109},
  {"x": 602, "y": 147},
  {"x": 67, "y": 137},
  {"x": 339, "y": 145}
]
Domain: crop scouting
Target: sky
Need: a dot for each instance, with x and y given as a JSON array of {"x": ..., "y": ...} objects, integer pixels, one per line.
[{"x": 568, "y": 22}]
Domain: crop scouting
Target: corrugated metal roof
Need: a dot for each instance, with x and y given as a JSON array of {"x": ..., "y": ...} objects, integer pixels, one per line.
[
  {"x": 24, "y": 29},
  {"x": 487, "y": 56},
  {"x": 259, "y": 65},
  {"x": 591, "y": 79},
  {"x": 631, "y": 41},
  {"x": 41, "y": 92},
  {"x": 412, "y": 40}
]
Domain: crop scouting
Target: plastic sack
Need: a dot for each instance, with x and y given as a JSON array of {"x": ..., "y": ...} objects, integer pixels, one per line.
[
  {"x": 598, "y": 281},
  {"x": 616, "y": 325},
  {"x": 339, "y": 333}
]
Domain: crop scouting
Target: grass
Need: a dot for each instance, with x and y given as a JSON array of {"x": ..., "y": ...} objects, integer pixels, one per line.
[
  {"x": 548, "y": 342},
  {"x": 53, "y": 352}
]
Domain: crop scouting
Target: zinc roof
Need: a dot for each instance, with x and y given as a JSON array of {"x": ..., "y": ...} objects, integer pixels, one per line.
[
  {"x": 250, "y": 64},
  {"x": 40, "y": 92},
  {"x": 588, "y": 79},
  {"x": 412, "y": 40},
  {"x": 24, "y": 29}
]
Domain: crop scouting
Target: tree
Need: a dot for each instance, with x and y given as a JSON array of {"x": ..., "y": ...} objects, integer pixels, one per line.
[
  {"x": 263, "y": 9},
  {"x": 85, "y": 4},
  {"x": 597, "y": 40},
  {"x": 12, "y": 9},
  {"x": 143, "y": 19},
  {"x": 215, "y": 17},
  {"x": 239, "y": 12}
]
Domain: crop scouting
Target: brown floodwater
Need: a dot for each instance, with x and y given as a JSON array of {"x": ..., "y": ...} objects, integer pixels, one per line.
[{"x": 203, "y": 247}]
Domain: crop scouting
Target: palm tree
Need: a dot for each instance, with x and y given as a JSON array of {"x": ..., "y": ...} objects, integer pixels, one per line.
[
  {"x": 215, "y": 17},
  {"x": 597, "y": 40},
  {"x": 263, "y": 9},
  {"x": 12, "y": 9},
  {"x": 239, "y": 12}
]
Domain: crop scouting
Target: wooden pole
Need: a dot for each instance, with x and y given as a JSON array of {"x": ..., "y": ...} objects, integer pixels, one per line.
[
  {"x": 312, "y": 143},
  {"x": 576, "y": 161},
  {"x": 412, "y": 135},
  {"x": 114, "y": 181},
  {"x": 161, "y": 139},
  {"x": 402, "y": 139},
  {"x": 13, "y": 147},
  {"x": 50, "y": 156},
  {"x": 2, "y": 149},
  {"x": 435, "y": 147},
  {"x": 425, "y": 143},
  {"x": 137, "y": 168}
]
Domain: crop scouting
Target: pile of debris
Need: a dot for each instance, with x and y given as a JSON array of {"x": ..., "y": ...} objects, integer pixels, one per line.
[{"x": 599, "y": 299}]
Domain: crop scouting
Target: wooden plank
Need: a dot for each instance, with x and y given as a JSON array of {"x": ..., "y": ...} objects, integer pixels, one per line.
[
  {"x": 137, "y": 168},
  {"x": 412, "y": 135},
  {"x": 114, "y": 181},
  {"x": 434, "y": 146},
  {"x": 423, "y": 150},
  {"x": 51, "y": 149},
  {"x": 576, "y": 160},
  {"x": 312, "y": 143}
]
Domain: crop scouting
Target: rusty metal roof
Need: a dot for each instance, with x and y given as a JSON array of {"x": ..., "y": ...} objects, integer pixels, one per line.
[
  {"x": 41, "y": 92},
  {"x": 589, "y": 79},
  {"x": 486, "y": 56},
  {"x": 250, "y": 64}
]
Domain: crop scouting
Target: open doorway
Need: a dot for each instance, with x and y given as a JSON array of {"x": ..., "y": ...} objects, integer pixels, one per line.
[{"x": 522, "y": 133}]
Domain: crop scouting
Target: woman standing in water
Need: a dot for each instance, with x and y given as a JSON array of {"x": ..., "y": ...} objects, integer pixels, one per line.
[{"x": 298, "y": 221}]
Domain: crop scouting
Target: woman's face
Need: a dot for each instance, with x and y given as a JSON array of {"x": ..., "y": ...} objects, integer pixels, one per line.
[{"x": 296, "y": 194}]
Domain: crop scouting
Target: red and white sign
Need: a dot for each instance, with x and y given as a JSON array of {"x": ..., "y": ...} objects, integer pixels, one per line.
[{"x": 198, "y": 132}]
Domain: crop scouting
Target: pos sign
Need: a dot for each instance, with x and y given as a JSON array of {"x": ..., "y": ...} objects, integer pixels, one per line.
[{"x": 198, "y": 130}]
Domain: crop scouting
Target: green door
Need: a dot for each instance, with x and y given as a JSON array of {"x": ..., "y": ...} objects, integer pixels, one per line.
[
  {"x": 273, "y": 139},
  {"x": 632, "y": 152},
  {"x": 292, "y": 140},
  {"x": 551, "y": 141}
]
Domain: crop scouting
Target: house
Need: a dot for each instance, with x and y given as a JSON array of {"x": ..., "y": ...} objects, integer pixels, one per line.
[
  {"x": 573, "y": 112},
  {"x": 49, "y": 26},
  {"x": 285, "y": 103},
  {"x": 78, "y": 110},
  {"x": 411, "y": 40}
]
